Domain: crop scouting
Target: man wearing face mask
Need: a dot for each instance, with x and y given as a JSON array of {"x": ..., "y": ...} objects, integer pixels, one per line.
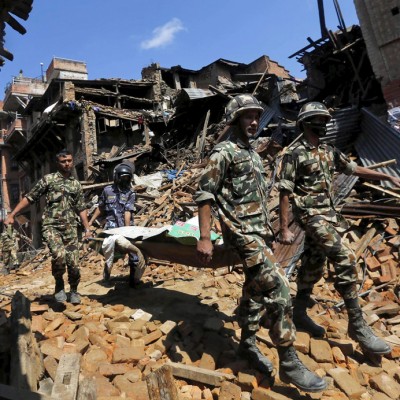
[
  {"x": 117, "y": 203},
  {"x": 306, "y": 179}
]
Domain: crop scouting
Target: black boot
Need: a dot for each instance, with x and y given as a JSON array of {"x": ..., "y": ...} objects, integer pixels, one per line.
[
  {"x": 106, "y": 274},
  {"x": 249, "y": 350},
  {"x": 59, "y": 294},
  {"x": 132, "y": 281},
  {"x": 300, "y": 318},
  {"x": 292, "y": 370},
  {"x": 363, "y": 334}
]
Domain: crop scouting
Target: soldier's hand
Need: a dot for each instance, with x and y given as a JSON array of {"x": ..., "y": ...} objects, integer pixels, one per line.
[
  {"x": 286, "y": 236},
  {"x": 87, "y": 235},
  {"x": 204, "y": 250},
  {"x": 9, "y": 220}
]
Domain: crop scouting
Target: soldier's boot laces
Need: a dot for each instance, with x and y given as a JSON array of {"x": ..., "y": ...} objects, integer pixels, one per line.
[
  {"x": 363, "y": 334},
  {"x": 60, "y": 295},
  {"x": 74, "y": 297},
  {"x": 302, "y": 321},
  {"x": 292, "y": 370},
  {"x": 249, "y": 350}
]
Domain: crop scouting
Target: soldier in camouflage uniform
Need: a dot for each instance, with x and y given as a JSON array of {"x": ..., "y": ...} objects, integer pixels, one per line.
[
  {"x": 234, "y": 180},
  {"x": 306, "y": 178},
  {"x": 64, "y": 200},
  {"x": 9, "y": 245}
]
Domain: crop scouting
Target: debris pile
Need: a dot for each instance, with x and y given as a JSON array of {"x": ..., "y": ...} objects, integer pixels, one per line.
[{"x": 178, "y": 332}]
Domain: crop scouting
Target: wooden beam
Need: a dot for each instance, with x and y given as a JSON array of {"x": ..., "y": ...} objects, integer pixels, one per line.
[
  {"x": 161, "y": 384},
  {"x": 201, "y": 375},
  {"x": 67, "y": 377},
  {"x": 389, "y": 192},
  {"x": 26, "y": 362}
]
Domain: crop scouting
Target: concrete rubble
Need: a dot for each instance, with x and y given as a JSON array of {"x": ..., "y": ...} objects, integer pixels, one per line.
[
  {"x": 176, "y": 335},
  {"x": 183, "y": 319}
]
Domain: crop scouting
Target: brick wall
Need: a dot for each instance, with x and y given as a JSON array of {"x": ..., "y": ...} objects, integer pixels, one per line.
[{"x": 380, "y": 25}]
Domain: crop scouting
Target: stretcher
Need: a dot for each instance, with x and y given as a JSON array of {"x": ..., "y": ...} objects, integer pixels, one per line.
[{"x": 160, "y": 244}]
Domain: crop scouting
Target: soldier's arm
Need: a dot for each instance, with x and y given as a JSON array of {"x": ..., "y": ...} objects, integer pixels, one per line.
[
  {"x": 85, "y": 222},
  {"x": 286, "y": 187},
  {"x": 19, "y": 207},
  {"x": 371, "y": 174},
  {"x": 129, "y": 208},
  {"x": 127, "y": 218},
  {"x": 209, "y": 184},
  {"x": 96, "y": 214},
  {"x": 204, "y": 245},
  {"x": 286, "y": 236}
]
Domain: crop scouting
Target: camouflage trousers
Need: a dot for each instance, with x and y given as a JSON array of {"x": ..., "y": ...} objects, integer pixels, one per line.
[
  {"x": 322, "y": 242},
  {"x": 265, "y": 288},
  {"x": 63, "y": 245},
  {"x": 10, "y": 259}
]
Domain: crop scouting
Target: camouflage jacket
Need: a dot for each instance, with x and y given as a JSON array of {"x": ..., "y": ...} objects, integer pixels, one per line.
[
  {"x": 235, "y": 180},
  {"x": 308, "y": 172},
  {"x": 114, "y": 202},
  {"x": 64, "y": 199}
]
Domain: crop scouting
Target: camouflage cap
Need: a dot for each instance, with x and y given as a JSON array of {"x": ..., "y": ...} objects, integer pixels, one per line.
[
  {"x": 313, "y": 109},
  {"x": 240, "y": 103}
]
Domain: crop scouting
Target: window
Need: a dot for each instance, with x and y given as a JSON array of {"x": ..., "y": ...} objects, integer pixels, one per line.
[
  {"x": 14, "y": 194},
  {"x": 14, "y": 165}
]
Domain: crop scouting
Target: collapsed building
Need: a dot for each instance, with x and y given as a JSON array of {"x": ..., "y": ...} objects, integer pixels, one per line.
[
  {"x": 169, "y": 120},
  {"x": 104, "y": 121}
]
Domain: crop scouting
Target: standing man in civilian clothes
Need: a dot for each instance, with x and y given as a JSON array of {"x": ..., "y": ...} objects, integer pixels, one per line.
[
  {"x": 234, "y": 180},
  {"x": 306, "y": 178},
  {"x": 64, "y": 200},
  {"x": 117, "y": 203}
]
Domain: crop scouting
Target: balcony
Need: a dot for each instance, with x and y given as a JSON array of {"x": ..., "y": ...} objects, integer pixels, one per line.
[
  {"x": 16, "y": 127},
  {"x": 20, "y": 90}
]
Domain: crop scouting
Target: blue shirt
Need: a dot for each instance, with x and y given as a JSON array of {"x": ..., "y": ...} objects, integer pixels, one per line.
[{"x": 114, "y": 202}]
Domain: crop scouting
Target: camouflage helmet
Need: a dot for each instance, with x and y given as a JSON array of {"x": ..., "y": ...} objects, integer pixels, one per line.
[
  {"x": 240, "y": 103},
  {"x": 312, "y": 109}
]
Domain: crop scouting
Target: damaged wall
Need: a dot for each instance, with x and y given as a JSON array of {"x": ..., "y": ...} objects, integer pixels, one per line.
[{"x": 380, "y": 24}]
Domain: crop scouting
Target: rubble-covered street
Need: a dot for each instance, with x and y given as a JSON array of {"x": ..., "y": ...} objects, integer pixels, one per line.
[{"x": 175, "y": 336}]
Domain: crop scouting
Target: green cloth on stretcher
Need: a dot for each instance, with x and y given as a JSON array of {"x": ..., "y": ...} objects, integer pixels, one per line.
[{"x": 188, "y": 234}]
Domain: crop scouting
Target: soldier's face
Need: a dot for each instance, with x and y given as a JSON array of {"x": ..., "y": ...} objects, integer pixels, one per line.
[
  {"x": 65, "y": 163},
  {"x": 248, "y": 122}
]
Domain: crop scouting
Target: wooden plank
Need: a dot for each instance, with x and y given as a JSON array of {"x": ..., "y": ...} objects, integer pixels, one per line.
[
  {"x": 365, "y": 240},
  {"x": 14, "y": 393},
  {"x": 201, "y": 375},
  {"x": 203, "y": 136},
  {"x": 67, "y": 377},
  {"x": 161, "y": 384},
  {"x": 382, "y": 190},
  {"x": 26, "y": 362}
]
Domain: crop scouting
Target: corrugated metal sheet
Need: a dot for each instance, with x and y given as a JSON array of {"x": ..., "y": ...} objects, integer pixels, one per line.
[
  {"x": 265, "y": 118},
  {"x": 194, "y": 93},
  {"x": 343, "y": 128},
  {"x": 378, "y": 142}
]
